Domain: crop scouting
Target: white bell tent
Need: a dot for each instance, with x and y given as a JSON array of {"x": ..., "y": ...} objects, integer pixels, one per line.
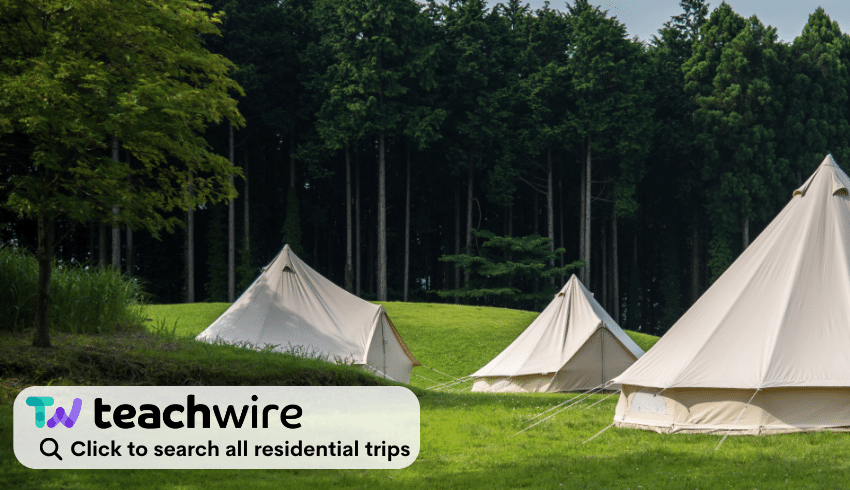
[
  {"x": 293, "y": 308},
  {"x": 765, "y": 349},
  {"x": 572, "y": 345}
]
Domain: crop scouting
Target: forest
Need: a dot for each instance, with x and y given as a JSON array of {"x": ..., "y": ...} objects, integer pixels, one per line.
[{"x": 479, "y": 154}]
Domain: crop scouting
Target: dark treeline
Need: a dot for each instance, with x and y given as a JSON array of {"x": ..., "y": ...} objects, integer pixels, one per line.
[{"x": 380, "y": 134}]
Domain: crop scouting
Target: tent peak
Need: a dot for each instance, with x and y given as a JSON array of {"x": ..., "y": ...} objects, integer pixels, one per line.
[
  {"x": 828, "y": 160},
  {"x": 572, "y": 280},
  {"x": 831, "y": 171},
  {"x": 286, "y": 258}
]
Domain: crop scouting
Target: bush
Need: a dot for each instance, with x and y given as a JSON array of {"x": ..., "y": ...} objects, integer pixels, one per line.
[{"x": 83, "y": 299}]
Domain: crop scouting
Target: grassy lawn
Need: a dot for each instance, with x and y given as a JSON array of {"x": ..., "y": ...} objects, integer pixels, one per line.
[
  {"x": 468, "y": 439},
  {"x": 184, "y": 320}
]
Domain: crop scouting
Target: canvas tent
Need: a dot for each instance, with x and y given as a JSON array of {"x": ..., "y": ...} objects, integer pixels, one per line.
[
  {"x": 765, "y": 349},
  {"x": 293, "y": 307},
  {"x": 573, "y": 345}
]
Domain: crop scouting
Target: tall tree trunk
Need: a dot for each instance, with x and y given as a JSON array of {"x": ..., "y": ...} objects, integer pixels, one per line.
[
  {"x": 695, "y": 269},
  {"x": 41, "y": 331},
  {"x": 561, "y": 220},
  {"x": 129, "y": 233},
  {"x": 615, "y": 266},
  {"x": 349, "y": 255},
  {"x": 382, "y": 194},
  {"x": 330, "y": 253},
  {"x": 102, "y": 244},
  {"x": 231, "y": 233},
  {"x": 457, "y": 238},
  {"x": 190, "y": 246},
  {"x": 292, "y": 160},
  {"x": 246, "y": 218},
  {"x": 357, "y": 229},
  {"x": 190, "y": 255},
  {"x": 116, "y": 229},
  {"x": 91, "y": 229},
  {"x": 582, "y": 212},
  {"x": 745, "y": 233},
  {"x": 587, "y": 214},
  {"x": 536, "y": 199},
  {"x": 382, "y": 219},
  {"x": 505, "y": 225},
  {"x": 604, "y": 260},
  {"x": 370, "y": 265},
  {"x": 469, "y": 218},
  {"x": 116, "y": 240},
  {"x": 634, "y": 304},
  {"x": 73, "y": 245},
  {"x": 509, "y": 255},
  {"x": 550, "y": 207},
  {"x": 646, "y": 316},
  {"x": 407, "y": 228},
  {"x": 428, "y": 278}
]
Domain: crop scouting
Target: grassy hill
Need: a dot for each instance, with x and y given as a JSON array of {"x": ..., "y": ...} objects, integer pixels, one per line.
[
  {"x": 138, "y": 358},
  {"x": 468, "y": 440}
]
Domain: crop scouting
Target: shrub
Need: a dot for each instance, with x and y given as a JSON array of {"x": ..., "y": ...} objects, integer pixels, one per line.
[{"x": 83, "y": 299}]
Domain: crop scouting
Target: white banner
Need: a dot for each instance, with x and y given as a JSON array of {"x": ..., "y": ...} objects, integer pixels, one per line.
[{"x": 115, "y": 427}]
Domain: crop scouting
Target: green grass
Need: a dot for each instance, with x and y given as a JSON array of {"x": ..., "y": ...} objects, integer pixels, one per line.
[
  {"x": 467, "y": 439},
  {"x": 152, "y": 360},
  {"x": 186, "y": 320},
  {"x": 643, "y": 340},
  {"x": 456, "y": 340}
]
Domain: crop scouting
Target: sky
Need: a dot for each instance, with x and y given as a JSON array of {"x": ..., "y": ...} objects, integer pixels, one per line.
[{"x": 643, "y": 18}]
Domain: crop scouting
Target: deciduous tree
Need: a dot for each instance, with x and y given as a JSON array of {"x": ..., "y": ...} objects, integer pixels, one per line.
[{"x": 75, "y": 74}]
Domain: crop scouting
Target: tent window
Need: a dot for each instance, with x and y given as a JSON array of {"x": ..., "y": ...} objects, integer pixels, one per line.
[
  {"x": 646, "y": 402},
  {"x": 842, "y": 191}
]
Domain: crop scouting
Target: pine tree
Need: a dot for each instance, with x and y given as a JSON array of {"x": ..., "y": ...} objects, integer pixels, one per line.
[
  {"x": 677, "y": 193},
  {"x": 815, "y": 79},
  {"x": 732, "y": 76},
  {"x": 507, "y": 280}
]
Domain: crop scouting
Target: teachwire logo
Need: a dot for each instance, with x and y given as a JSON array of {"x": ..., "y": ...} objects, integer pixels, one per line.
[
  {"x": 59, "y": 417},
  {"x": 205, "y": 427}
]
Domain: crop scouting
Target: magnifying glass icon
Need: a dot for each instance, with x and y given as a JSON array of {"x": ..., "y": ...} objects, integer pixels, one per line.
[{"x": 55, "y": 451}]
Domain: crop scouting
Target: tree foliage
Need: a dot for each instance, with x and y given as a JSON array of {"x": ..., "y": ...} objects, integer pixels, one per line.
[
  {"x": 657, "y": 160},
  {"x": 76, "y": 75},
  {"x": 731, "y": 77},
  {"x": 505, "y": 269},
  {"x": 815, "y": 82}
]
